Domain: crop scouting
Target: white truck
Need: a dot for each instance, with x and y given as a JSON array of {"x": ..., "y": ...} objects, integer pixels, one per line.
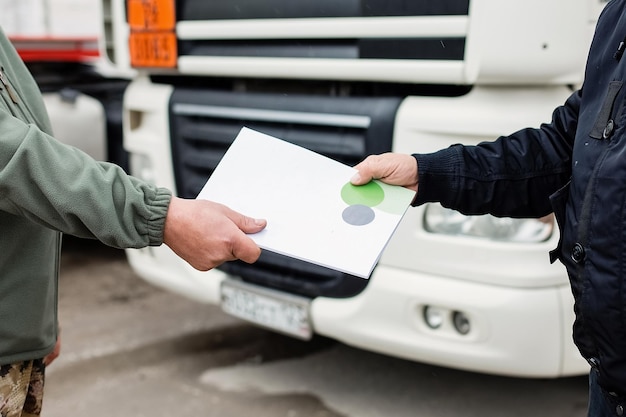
[
  {"x": 346, "y": 79},
  {"x": 61, "y": 43}
]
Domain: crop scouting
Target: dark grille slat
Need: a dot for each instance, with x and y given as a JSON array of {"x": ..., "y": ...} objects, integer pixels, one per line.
[
  {"x": 343, "y": 145},
  {"x": 200, "y": 162},
  {"x": 295, "y": 276},
  {"x": 283, "y": 49},
  {"x": 201, "y": 131},
  {"x": 194, "y": 186},
  {"x": 281, "y": 9},
  {"x": 451, "y": 49}
]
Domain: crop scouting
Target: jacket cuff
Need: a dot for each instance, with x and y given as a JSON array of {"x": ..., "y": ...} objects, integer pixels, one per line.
[
  {"x": 156, "y": 223},
  {"x": 437, "y": 175}
]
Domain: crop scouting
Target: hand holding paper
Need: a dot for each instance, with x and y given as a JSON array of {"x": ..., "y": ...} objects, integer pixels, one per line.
[
  {"x": 313, "y": 212},
  {"x": 392, "y": 168},
  {"x": 185, "y": 233}
]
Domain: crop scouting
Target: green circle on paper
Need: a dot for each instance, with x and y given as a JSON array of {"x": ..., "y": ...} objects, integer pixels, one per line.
[{"x": 370, "y": 194}]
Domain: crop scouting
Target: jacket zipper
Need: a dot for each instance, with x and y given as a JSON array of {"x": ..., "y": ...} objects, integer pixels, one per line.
[
  {"x": 24, "y": 111},
  {"x": 5, "y": 83}
]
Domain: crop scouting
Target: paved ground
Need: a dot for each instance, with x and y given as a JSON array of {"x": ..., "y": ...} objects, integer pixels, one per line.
[{"x": 130, "y": 349}]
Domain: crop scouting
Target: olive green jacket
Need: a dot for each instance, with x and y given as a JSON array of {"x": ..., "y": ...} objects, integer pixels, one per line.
[{"x": 46, "y": 189}]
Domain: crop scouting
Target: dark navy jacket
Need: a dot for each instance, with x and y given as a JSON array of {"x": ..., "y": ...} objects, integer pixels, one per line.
[{"x": 576, "y": 167}]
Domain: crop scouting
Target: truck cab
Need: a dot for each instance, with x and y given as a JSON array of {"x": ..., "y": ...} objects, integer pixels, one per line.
[{"x": 348, "y": 79}]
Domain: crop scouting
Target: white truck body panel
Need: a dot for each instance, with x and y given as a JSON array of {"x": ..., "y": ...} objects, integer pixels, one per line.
[
  {"x": 51, "y": 18},
  {"x": 45, "y": 25}
]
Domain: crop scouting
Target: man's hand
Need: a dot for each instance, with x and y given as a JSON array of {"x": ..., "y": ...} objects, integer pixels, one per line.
[
  {"x": 207, "y": 234},
  {"x": 391, "y": 168}
]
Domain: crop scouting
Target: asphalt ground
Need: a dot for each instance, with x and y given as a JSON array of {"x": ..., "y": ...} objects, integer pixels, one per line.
[{"x": 131, "y": 349}]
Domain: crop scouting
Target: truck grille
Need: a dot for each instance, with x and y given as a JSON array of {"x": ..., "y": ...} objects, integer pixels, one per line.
[
  {"x": 205, "y": 122},
  {"x": 447, "y": 48},
  {"x": 395, "y": 41}
]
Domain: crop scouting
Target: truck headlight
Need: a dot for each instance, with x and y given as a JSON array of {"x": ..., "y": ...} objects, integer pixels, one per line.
[{"x": 438, "y": 219}]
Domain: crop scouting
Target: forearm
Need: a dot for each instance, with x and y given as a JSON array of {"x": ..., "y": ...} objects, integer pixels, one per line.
[
  {"x": 484, "y": 179},
  {"x": 512, "y": 176}
]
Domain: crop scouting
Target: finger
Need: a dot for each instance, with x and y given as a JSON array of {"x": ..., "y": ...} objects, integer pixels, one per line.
[
  {"x": 50, "y": 358},
  {"x": 246, "y": 249}
]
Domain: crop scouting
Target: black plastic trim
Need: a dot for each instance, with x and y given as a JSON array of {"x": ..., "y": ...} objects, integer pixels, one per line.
[
  {"x": 433, "y": 49},
  {"x": 286, "y": 9}
]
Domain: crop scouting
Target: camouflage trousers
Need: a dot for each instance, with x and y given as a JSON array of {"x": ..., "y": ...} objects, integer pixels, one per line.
[{"x": 21, "y": 389}]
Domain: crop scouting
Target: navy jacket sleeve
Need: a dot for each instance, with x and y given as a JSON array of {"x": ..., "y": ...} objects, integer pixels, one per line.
[{"x": 511, "y": 176}]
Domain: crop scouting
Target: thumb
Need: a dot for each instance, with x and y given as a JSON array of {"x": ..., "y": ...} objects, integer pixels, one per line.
[
  {"x": 248, "y": 224},
  {"x": 245, "y": 248},
  {"x": 357, "y": 179},
  {"x": 363, "y": 174}
]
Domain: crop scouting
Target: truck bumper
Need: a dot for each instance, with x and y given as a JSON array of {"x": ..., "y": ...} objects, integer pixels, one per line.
[
  {"x": 521, "y": 332},
  {"x": 512, "y": 331}
]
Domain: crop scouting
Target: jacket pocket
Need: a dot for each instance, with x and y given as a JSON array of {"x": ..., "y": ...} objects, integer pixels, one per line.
[
  {"x": 603, "y": 121},
  {"x": 558, "y": 201}
]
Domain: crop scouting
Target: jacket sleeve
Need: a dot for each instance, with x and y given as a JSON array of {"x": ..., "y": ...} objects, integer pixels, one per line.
[
  {"x": 512, "y": 176},
  {"x": 64, "y": 189}
]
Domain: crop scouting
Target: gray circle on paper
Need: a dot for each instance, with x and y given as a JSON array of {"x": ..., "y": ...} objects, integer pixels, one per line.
[{"x": 358, "y": 215}]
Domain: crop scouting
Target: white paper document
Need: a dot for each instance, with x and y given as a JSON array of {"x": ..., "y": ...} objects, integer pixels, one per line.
[{"x": 313, "y": 213}]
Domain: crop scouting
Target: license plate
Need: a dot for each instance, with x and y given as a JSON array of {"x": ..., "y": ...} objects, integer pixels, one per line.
[{"x": 285, "y": 313}]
